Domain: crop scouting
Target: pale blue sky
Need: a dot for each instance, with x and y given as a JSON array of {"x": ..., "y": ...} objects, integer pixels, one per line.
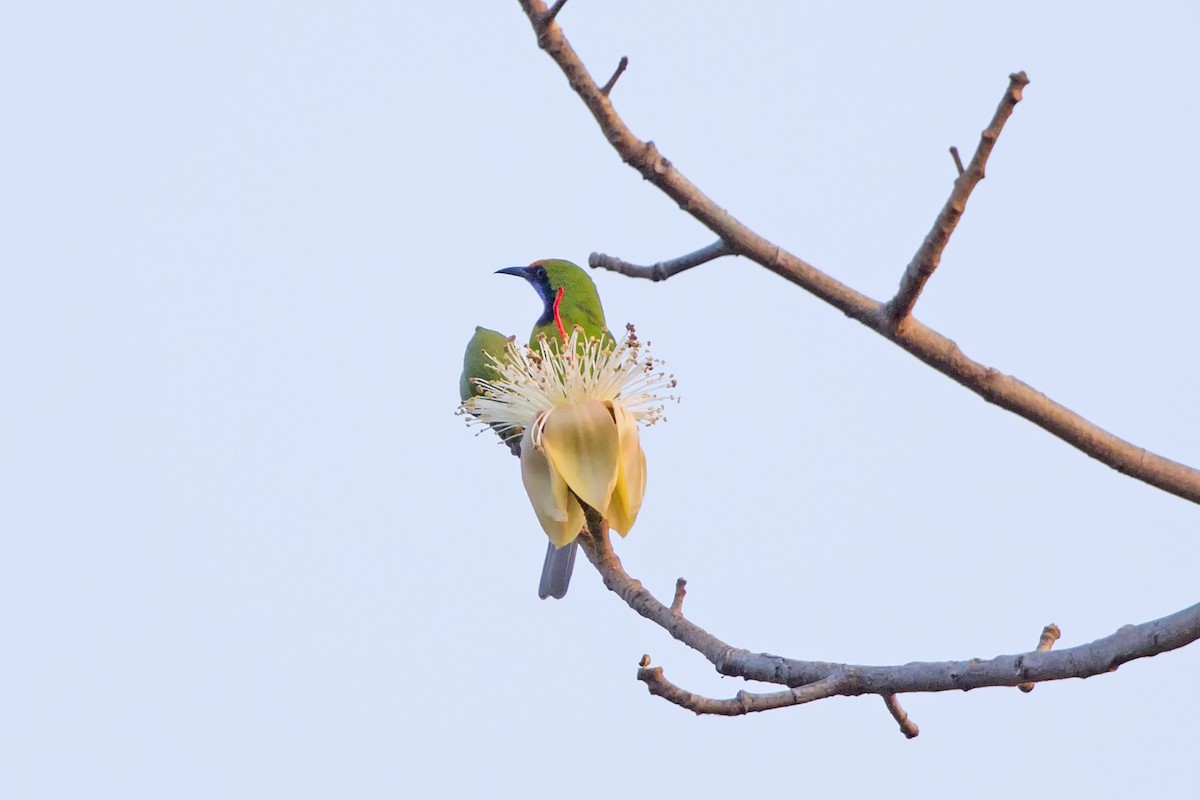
[{"x": 247, "y": 549}]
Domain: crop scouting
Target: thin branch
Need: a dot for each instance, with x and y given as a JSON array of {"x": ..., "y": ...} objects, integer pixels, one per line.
[
  {"x": 1050, "y": 635},
  {"x": 929, "y": 255},
  {"x": 923, "y": 342},
  {"x": 1095, "y": 658},
  {"x": 742, "y": 703},
  {"x": 957, "y": 160},
  {"x": 594, "y": 542},
  {"x": 546, "y": 18},
  {"x": 607, "y": 88},
  {"x": 907, "y": 726},
  {"x": 662, "y": 270}
]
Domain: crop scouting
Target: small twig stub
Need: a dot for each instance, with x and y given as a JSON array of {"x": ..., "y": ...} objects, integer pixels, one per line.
[
  {"x": 621, "y": 65},
  {"x": 907, "y": 726},
  {"x": 1050, "y": 635},
  {"x": 957, "y": 160}
]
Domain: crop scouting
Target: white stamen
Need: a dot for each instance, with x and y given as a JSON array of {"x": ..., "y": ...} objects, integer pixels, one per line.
[{"x": 532, "y": 380}]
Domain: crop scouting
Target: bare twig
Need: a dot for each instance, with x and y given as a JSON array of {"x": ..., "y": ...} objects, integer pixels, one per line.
[
  {"x": 680, "y": 593},
  {"x": 923, "y": 342},
  {"x": 661, "y": 270},
  {"x": 1050, "y": 635},
  {"x": 546, "y": 18},
  {"x": 957, "y": 160},
  {"x": 742, "y": 703},
  {"x": 907, "y": 726},
  {"x": 1095, "y": 658},
  {"x": 930, "y": 253},
  {"x": 621, "y": 65}
]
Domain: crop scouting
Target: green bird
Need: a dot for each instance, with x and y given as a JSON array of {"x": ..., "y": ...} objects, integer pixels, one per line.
[
  {"x": 575, "y": 399},
  {"x": 477, "y": 364},
  {"x": 569, "y": 299}
]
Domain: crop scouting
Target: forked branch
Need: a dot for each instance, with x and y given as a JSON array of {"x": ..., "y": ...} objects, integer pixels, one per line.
[
  {"x": 921, "y": 341},
  {"x": 929, "y": 255},
  {"x": 813, "y": 680}
]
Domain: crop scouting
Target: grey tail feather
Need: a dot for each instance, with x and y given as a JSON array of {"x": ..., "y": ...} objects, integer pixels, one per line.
[{"x": 556, "y": 571}]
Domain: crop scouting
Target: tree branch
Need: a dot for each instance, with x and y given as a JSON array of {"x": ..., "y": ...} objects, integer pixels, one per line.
[
  {"x": 927, "y": 257},
  {"x": 921, "y": 341},
  {"x": 957, "y": 161},
  {"x": 661, "y": 270},
  {"x": 828, "y": 679},
  {"x": 742, "y": 703}
]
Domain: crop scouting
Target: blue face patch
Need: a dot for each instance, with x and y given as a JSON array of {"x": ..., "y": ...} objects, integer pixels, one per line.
[{"x": 536, "y": 276}]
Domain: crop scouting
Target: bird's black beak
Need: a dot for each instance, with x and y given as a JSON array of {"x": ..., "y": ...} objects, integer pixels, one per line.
[{"x": 520, "y": 272}]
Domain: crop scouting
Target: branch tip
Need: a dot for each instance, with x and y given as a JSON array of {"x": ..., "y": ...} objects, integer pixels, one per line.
[
  {"x": 957, "y": 160},
  {"x": 742, "y": 703},
  {"x": 621, "y": 65},
  {"x": 929, "y": 254},
  {"x": 907, "y": 726}
]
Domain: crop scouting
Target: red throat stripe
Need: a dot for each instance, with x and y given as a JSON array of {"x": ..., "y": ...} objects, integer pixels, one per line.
[{"x": 557, "y": 316}]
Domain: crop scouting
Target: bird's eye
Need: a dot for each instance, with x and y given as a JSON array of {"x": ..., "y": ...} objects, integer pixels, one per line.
[{"x": 541, "y": 273}]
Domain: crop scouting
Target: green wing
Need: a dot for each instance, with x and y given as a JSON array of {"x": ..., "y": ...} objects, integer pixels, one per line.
[{"x": 475, "y": 361}]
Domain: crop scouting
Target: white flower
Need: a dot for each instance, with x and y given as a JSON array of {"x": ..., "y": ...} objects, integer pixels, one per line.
[{"x": 578, "y": 407}]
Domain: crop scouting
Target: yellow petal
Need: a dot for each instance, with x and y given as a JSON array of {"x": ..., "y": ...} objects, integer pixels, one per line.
[
  {"x": 581, "y": 442},
  {"x": 557, "y": 510},
  {"x": 627, "y": 495}
]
